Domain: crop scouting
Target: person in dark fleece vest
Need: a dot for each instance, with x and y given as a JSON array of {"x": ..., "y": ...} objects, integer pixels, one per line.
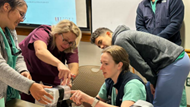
[{"x": 121, "y": 87}]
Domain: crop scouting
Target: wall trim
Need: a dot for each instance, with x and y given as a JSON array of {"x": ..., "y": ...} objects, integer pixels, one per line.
[
  {"x": 85, "y": 35},
  {"x": 188, "y": 52},
  {"x": 26, "y": 31}
]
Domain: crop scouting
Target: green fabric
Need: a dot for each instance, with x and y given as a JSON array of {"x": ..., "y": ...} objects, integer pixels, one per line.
[
  {"x": 181, "y": 56},
  {"x": 11, "y": 92},
  {"x": 2, "y": 102},
  {"x": 183, "y": 99},
  {"x": 134, "y": 90},
  {"x": 153, "y": 4}
]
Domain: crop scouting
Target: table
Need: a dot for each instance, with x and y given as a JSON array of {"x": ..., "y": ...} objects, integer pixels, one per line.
[{"x": 20, "y": 103}]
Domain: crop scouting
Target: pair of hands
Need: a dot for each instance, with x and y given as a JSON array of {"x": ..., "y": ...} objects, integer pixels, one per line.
[
  {"x": 37, "y": 90},
  {"x": 64, "y": 74}
]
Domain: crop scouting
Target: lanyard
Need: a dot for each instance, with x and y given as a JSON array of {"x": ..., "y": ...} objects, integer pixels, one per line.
[{"x": 11, "y": 92}]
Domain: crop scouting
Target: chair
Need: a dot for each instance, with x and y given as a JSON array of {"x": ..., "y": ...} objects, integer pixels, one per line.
[{"x": 89, "y": 80}]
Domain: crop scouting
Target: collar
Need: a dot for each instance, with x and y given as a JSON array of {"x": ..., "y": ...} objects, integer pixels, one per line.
[
  {"x": 147, "y": 2},
  {"x": 120, "y": 79}
]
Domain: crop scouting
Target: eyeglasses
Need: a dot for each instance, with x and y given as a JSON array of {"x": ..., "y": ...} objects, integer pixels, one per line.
[
  {"x": 65, "y": 42},
  {"x": 21, "y": 14}
]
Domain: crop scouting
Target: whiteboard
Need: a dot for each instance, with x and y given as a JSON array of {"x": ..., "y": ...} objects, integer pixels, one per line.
[{"x": 111, "y": 13}]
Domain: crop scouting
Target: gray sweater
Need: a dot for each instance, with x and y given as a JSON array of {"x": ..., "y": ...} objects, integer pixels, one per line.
[
  {"x": 8, "y": 76},
  {"x": 147, "y": 53}
]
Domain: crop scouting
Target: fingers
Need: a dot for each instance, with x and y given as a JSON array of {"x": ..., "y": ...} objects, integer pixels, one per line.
[
  {"x": 45, "y": 86},
  {"x": 69, "y": 79},
  {"x": 44, "y": 100},
  {"x": 48, "y": 95},
  {"x": 76, "y": 97},
  {"x": 38, "y": 92},
  {"x": 73, "y": 91},
  {"x": 30, "y": 77}
]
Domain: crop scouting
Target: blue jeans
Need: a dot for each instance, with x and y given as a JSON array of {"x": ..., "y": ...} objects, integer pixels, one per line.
[{"x": 170, "y": 83}]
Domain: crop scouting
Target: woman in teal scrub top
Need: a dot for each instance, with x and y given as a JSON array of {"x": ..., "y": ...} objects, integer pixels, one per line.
[
  {"x": 121, "y": 87},
  {"x": 14, "y": 76}
]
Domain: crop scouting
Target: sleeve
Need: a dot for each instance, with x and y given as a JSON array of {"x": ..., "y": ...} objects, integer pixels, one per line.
[
  {"x": 136, "y": 60},
  {"x": 176, "y": 19},
  {"x": 134, "y": 90},
  {"x": 140, "y": 24},
  {"x": 12, "y": 78},
  {"x": 20, "y": 63},
  {"x": 39, "y": 34},
  {"x": 72, "y": 57},
  {"x": 103, "y": 92}
]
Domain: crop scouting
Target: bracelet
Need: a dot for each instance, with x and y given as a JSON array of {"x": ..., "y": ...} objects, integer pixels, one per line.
[{"x": 95, "y": 102}]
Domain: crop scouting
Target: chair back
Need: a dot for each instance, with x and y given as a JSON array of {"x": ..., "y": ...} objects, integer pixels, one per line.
[{"x": 89, "y": 80}]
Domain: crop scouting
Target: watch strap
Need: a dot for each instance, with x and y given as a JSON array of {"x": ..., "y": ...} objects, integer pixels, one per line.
[{"x": 95, "y": 102}]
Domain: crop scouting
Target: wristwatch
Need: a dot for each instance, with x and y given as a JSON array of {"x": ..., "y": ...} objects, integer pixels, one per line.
[{"x": 95, "y": 102}]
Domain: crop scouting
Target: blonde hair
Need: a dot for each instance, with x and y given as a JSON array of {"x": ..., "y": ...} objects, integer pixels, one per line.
[
  {"x": 66, "y": 26},
  {"x": 119, "y": 55}
]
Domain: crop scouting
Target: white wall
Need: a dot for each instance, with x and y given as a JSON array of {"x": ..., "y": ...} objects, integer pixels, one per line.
[{"x": 186, "y": 37}]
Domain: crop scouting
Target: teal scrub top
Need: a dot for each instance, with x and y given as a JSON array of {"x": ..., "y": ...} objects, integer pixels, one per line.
[{"x": 134, "y": 90}]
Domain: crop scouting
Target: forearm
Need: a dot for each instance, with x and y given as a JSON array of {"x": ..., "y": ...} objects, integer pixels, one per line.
[
  {"x": 99, "y": 104},
  {"x": 74, "y": 68},
  {"x": 14, "y": 79},
  {"x": 45, "y": 56},
  {"x": 20, "y": 64}
]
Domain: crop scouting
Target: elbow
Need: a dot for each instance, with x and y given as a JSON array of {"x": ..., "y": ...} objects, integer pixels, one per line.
[{"x": 39, "y": 52}]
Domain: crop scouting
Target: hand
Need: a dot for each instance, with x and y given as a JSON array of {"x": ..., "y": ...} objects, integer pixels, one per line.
[
  {"x": 71, "y": 81},
  {"x": 38, "y": 92},
  {"x": 152, "y": 89},
  {"x": 79, "y": 97},
  {"x": 27, "y": 75},
  {"x": 64, "y": 73}
]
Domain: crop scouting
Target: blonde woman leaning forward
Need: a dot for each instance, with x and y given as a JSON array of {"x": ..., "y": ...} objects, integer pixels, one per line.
[{"x": 46, "y": 50}]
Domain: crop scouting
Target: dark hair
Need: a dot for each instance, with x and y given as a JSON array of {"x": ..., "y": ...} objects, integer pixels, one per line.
[
  {"x": 119, "y": 55},
  {"x": 13, "y": 3},
  {"x": 98, "y": 32}
]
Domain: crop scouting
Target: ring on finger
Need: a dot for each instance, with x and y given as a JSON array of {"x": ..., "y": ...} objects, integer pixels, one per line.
[{"x": 39, "y": 100}]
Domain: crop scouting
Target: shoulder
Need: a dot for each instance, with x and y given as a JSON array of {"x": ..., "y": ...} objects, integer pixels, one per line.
[
  {"x": 142, "y": 4},
  {"x": 42, "y": 30},
  {"x": 134, "y": 90},
  {"x": 134, "y": 83}
]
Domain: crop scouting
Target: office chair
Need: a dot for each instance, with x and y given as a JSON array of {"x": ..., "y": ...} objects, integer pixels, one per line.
[{"x": 89, "y": 80}]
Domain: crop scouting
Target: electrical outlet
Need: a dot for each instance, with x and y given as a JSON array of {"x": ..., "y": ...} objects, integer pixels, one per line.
[{"x": 188, "y": 81}]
